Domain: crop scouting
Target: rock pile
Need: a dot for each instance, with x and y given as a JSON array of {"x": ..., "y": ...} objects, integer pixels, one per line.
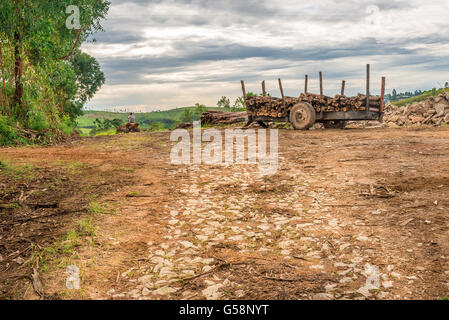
[{"x": 433, "y": 112}]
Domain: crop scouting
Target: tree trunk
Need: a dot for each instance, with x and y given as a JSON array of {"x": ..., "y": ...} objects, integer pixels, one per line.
[
  {"x": 4, "y": 80},
  {"x": 18, "y": 72}
]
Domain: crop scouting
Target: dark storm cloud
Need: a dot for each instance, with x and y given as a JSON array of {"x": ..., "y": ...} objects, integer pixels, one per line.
[{"x": 254, "y": 15}]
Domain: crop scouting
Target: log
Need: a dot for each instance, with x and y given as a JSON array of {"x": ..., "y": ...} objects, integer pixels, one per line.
[{"x": 219, "y": 117}]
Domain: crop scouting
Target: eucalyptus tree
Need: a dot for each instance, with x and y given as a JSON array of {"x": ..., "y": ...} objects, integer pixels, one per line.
[{"x": 39, "y": 51}]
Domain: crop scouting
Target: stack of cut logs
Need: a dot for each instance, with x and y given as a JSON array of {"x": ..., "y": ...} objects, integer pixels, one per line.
[
  {"x": 218, "y": 117},
  {"x": 341, "y": 103},
  {"x": 269, "y": 107},
  {"x": 277, "y": 108}
]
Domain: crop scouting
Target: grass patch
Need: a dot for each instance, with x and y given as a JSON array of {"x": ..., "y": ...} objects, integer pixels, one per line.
[
  {"x": 76, "y": 166},
  {"x": 62, "y": 251},
  {"x": 16, "y": 172},
  {"x": 86, "y": 228},
  {"x": 98, "y": 208},
  {"x": 109, "y": 132},
  {"x": 283, "y": 125},
  {"x": 84, "y": 132},
  {"x": 132, "y": 194},
  {"x": 13, "y": 205}
]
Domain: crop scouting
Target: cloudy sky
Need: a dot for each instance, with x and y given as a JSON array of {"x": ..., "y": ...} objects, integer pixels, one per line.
[{"x": 162, "y": 54}]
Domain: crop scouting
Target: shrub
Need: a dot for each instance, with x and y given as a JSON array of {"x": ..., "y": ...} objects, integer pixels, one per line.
[
  {"x": 187, "y": 115},
  {"x": 36, "y": 121},
  {"x": 193, "y": 114},
  {"x": 8, "y": 133},
  {"x": 67, "y": 126}
]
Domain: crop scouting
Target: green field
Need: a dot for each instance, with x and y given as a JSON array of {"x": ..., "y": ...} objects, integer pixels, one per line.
[{"x": 159, "y": 120}]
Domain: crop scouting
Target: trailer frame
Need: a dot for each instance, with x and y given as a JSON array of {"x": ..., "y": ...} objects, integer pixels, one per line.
[{"x": 369, "y": 114}]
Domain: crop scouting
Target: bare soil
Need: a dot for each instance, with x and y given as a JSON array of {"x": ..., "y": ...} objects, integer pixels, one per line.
[{"x": 346, "y": 208}]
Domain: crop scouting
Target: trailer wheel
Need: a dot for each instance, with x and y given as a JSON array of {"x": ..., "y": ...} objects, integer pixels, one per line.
[
  {"x": 337, "y": 124},
  {"x": 302, "y": 116}
]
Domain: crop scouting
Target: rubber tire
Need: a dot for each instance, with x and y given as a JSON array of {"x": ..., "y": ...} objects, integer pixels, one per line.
[
  {"x": 338, "y": 124},
  {"x": 307, "y": 113}
]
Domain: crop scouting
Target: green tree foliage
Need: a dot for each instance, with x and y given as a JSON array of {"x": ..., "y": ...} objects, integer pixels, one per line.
[
  {"x": 107, "y": 124},
  {"x": 187, "y": 115},
  {"x": 224, "y": 102},
  {"x": 165, "y": 122},
  {"x": 88, "y": 78},
  {"x": 44, "y": 77},
  {"x": 193, "y": 114},
  {"x": 395, "y": 96},
  {"x": 239, "y": 105},
  {"x": 200, "y": 109}
]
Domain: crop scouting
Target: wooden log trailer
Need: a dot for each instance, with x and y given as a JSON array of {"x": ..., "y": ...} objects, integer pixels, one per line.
[{"x": 303, "y": 112}]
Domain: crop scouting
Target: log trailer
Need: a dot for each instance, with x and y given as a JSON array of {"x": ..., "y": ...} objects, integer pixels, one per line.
[{"x": 303, "y": 112}]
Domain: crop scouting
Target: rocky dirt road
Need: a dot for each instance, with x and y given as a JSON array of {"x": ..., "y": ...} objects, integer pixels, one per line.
[{"x": 350, "y": 214}]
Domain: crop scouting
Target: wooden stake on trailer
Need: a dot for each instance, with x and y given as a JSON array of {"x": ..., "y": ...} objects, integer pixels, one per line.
[
  {"x": 250, "y": 118},
  {"x": 343, "y": 84},
  {"x": 306, "y": 83},
  {"x": 244, "y": 91},
  {"x": 321, "y": 84},
  {"x": 367, "y": 87},
  {"x": 282, "y": 91},
  {"x": 382, "y": 95},
  {"x": 264, "y": 92}
]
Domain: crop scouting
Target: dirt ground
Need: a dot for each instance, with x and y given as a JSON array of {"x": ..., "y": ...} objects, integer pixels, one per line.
[{"x": 350, "y": 214}]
